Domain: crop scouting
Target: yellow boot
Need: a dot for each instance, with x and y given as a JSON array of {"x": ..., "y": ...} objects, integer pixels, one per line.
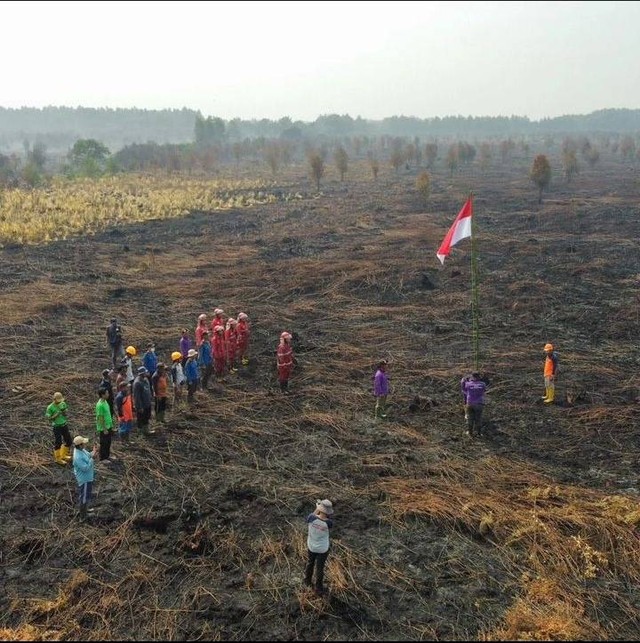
[
  {"x": 57, "y": 454},
  {"x": 546, "y": 394},
  {"x": 64, "y": 449},
  {"x": 551, "y": 396}
]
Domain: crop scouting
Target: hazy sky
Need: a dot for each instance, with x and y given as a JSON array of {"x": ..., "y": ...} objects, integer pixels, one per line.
[{"x": 303, "y": 59}]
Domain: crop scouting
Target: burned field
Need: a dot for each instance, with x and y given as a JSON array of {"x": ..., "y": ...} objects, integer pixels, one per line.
[{"x": 199, "y": 533}]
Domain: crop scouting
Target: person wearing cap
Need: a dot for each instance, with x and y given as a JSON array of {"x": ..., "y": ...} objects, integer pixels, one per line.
[
  {"x": 56, "y": 413},
  {"x": 185, "y": 345},
  {"x": 284, "y": 358},
  {"x": 83, "y": 469},
  {"x": 106, "y": 383},
  {"x": 205, "y": 360},
  {"x": 104, "y": 426},
  {"x": 115, "y": 341},
  {"x": 124, "y": 410},
  {"x": 231, "y": 344},
  {"x": 191, "y": 374},
  {"x": 318, "y": 525},
  {"x": 177, "y": 375},
  {"x": 142, "y": 400},
  {"x": 381, "y": 389},
  {"x": 243, "y": 331},
  {"x": 200, "y": 328},
  {"x": 150, "y": 360},
  {"x": 473, "y": 391},
  {"x": 550, "y": 370},
  {"x": 219, "y": 353},
  {"x": 160, "y": 386}
]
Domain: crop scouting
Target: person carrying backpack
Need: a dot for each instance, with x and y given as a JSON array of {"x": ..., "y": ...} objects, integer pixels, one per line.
[{"x": 550, "y": 372}]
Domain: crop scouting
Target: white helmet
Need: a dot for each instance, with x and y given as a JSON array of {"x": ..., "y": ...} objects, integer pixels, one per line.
[
  {"x": 202, "y": 317},
  {"x": 243, "y": 317},
  {"x": 218, "y": 311},
  {"x": 285, "y": 335}
]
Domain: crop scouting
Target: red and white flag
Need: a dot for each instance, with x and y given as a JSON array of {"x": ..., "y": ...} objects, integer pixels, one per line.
[{"x": 461, "y": 229}]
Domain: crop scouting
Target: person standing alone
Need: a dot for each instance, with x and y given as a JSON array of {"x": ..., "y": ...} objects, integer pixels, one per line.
[
  {"x": 284, "y": 356},
  {"x": 550, "y": 370},
  {"x": 381, "y": 389},
  {"x": 318, "y": 528},
  {"x": 473, "y": 390}
]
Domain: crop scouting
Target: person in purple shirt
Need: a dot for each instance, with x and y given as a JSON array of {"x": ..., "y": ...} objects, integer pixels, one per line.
[
  {"x": 473, "y": 390},
  {"x": 381, "y": 389},
  {"x": 185, "y": 345}
]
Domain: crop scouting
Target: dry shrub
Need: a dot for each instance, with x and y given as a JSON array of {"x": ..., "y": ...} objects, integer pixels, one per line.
[{"x": 29, "y": 633}]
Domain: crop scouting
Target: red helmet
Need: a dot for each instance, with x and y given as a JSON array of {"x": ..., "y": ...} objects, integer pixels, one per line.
[
  {"x": 218, "y": 311},
  {"x": 218, "y": 329},
  {"x": 243, "y": 317},
  {"x": 285, "y": 335}
]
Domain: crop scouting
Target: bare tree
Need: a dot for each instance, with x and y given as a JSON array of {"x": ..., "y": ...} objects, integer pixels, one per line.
[
  {"x": 273, "y": 156},
  {"x": 570, "y": 164},
  {"x": 316, "y": 164},
  {"x": 540, "y": 174},
  {"x": 342, "y": 161},
  {"x": 397, "y": 158},
  {"x": 423, "y": 186},
  {"x": 430, "y": 154},
  {"x": 374, "y": 164},
  {"x": 453, "y": 158}
]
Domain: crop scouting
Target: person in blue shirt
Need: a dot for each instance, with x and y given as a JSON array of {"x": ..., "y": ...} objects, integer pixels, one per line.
[
  {"x": 191, "y": 374},
  {"x": 83, "y": 469},
  {"x": 319, "y": 525},
  {"x": 205, "y": 359},
  {"x": 150, "y": 359}
]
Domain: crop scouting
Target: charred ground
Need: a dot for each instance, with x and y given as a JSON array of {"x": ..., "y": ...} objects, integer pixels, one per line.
[{"x": 199, "y": 531}]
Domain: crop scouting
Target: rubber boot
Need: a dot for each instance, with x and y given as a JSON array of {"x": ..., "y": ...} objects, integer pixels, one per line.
[
  {"x": 83, "y": 512},
  {"x": 64, "y": 449},
  {"x": 551, "y": 396},
  {"x": 58, "y": 457},
  {"x": 546, "y": 394},
  {"x": 245, "y": 361}
]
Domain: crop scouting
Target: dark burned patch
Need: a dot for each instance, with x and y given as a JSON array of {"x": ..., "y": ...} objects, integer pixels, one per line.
[
  {"x": 127, "y": 292},
  {"x": 158, "y": 524},
  {"x": 32, "y": 549},
  {"x": 61, "y": 308}
]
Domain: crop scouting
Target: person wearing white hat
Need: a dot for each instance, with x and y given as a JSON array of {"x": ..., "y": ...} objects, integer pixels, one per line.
[
  {"x": 243, "y": 332},
  {"x": 191, "y": 373},
  {"x": 83, "y": 469},
  {"x": 319, "y": 523}
]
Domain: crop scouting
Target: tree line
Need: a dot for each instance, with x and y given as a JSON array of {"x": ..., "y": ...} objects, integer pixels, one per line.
[{"x": 59, "y": 127}]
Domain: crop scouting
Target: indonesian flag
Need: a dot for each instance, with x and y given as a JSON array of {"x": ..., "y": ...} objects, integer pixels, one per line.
[{"x": 461, "y": 229}]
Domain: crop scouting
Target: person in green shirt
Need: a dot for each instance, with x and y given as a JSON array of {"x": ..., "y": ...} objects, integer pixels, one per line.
[
  {"x": 104, "y": 426},
  {"x": 56, "y": 413}
]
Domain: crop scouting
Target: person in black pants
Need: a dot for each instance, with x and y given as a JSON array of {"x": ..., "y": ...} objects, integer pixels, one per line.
[{"x": 319, "y": 524}]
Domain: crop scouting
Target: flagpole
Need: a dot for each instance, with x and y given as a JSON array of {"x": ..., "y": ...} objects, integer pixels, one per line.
[{"x": 474, "y": 296}]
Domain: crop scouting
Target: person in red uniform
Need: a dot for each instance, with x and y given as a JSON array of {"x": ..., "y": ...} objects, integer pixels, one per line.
[
  {"x": 219, "y": 352},
  {"x": 231, "y": 344},
  {"x": 285, "y": 361},
  {"x": 218, "y": 320},
  {"x": 243, "y": 331},
  {"x": 200, "y": 328}
]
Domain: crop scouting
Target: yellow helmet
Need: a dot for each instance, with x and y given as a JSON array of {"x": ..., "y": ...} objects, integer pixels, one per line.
[
  {"x": 176, "y": 355},
  {"x": 131, "y": 350}
]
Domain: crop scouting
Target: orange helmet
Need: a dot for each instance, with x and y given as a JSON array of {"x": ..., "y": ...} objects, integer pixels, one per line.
[{"x": 548, "y": 347}]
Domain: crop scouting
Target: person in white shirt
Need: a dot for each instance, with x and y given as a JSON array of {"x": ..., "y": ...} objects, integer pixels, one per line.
[{"x": 319, "y": 524}]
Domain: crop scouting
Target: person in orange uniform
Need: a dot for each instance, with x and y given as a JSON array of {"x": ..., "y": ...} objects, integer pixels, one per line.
[
  {"x": 284, "y": 358},
  {"x": 200, "y": 328},
  {"x": 550, "y": 368},
  {"x": 219, "y": 352},
  {"x": 218, "y": 320},
  {"x": 231, "y": 343},
  {"x": 243, "y": 331}
]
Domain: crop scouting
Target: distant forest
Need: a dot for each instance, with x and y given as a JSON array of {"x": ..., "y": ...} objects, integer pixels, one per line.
[{"x": 58, "y": 128}]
